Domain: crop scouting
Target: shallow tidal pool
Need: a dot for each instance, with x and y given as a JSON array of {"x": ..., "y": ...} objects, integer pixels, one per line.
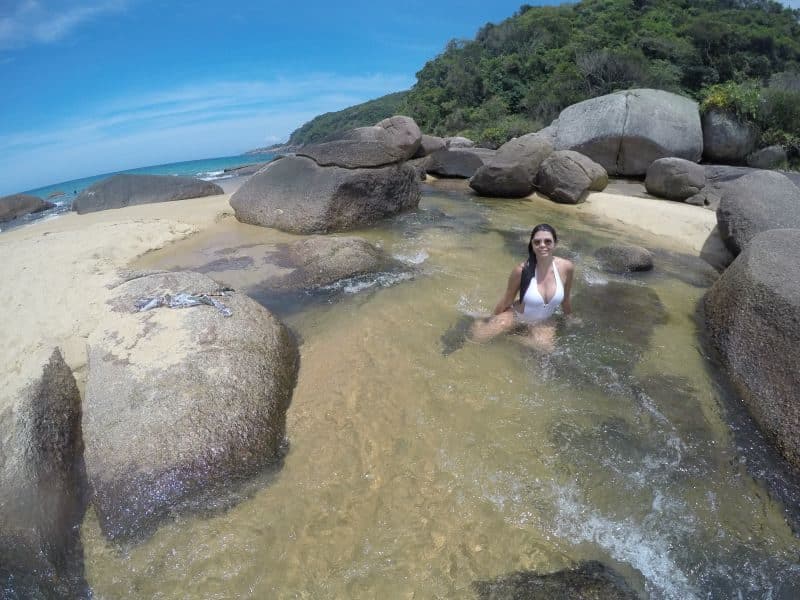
[{"x": 420, "y": 462}]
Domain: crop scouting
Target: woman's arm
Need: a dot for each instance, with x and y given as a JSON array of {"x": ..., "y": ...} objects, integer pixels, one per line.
[
  {"x": 512, "y": 289},
  {"x": 569, "y": 274}
]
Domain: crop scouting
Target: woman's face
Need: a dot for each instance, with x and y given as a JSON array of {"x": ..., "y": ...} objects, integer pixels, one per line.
[{"x": 543, "y": 243}]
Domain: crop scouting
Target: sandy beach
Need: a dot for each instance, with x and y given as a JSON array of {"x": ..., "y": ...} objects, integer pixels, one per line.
[{"x": 58, "y": 272}]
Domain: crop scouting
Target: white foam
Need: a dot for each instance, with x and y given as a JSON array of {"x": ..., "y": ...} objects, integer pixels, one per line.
[
  {"x": 626, "y": 541},
  {"x": 354, "y": 285},
  {"x": 412, "y": 259},
  {"x": 594, "y": 277},
  {"x": 471, "y": 308}
]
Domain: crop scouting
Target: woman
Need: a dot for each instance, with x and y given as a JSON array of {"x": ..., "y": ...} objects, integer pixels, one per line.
[{"x": 543, "y": 283}]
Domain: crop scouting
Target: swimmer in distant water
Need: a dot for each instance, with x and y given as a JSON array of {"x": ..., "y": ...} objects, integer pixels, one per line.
[{"x": 543, "y": 283}]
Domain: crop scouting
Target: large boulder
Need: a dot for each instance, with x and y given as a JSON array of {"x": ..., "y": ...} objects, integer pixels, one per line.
[
  {"x": 458, "y": 142},
  {"x": 429, "y": 144},
  {"x": 296, "y": 194},
  {"x": 404, "y": 133},
  {"x": 180, "y": 402},
  {"x": 566, "y": 177},
  {"x": 119, "y": 191},
  {"x": 41, "y": 481},
  {"x": 322, "y": 260},
  {"x": 512, "y": 170},
  {"x": 18, "y": 205},
  {"x": 391, "y": 141},
  {"x": 770, "y": 157},
  {"x": 674, "y": 178},
  {"x": 753, "y": 316},
  {"x": 626, "y": 131},
  {"x": 756, "y": 202},
  {"x": 726, "y": 138},
  {"x": 458, "y": 162}
]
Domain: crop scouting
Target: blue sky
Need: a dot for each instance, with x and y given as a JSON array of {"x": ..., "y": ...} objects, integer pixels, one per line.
[{"x": 92, "y": 86}]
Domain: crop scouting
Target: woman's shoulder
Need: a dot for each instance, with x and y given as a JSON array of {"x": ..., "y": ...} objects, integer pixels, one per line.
[{"x": 565, "y": 265}]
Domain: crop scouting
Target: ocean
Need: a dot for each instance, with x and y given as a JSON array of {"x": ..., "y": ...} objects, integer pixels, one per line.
[{"x": 62, "y": 194}]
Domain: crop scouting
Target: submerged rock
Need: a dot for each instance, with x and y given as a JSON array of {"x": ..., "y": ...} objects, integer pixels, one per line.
[
  {"x": 19, "y": 205},
  {"x": 624, "y": 258},
  {"x": 119, "y": 191},
  {"x": 297, "y": 195},
  {"x": 626, "y": 131},
  {"x": 181, "y": 402},
  {"x": 41, "y": 483},
  {"x": 322, "y": 260},
  {"x": 753, "y": 316},
  {"x": 590, "y": 580}
]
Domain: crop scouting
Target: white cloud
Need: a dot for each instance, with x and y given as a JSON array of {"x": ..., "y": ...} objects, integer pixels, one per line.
[
  {"x": 28, "y": 22},
  {"x": 192, "y": 121}
]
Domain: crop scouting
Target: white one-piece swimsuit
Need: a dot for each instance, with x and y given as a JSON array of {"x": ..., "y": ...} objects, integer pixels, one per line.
[{"x": 534, "y": 306}]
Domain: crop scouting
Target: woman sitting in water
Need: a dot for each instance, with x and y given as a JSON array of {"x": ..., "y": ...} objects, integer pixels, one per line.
[{"x": 543, "y": 283}]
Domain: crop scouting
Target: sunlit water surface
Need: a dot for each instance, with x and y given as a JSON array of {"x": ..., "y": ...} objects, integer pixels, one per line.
[{"x": 420, "y": 462}]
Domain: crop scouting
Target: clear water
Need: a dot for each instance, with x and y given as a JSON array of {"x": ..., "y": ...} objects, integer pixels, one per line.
[{"x": 420, "y": 463}]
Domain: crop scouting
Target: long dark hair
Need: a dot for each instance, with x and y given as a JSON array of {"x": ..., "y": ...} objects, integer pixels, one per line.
[
  {"x": 539, "y": 227},
  {"x": 530, "y": 265}
]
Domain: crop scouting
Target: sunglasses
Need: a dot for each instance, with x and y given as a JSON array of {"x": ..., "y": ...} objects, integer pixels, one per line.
[{"x": 544, "y": 242}]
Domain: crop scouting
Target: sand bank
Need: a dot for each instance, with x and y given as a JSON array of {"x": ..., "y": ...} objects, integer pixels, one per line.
[{"x": 56, "y": 273}]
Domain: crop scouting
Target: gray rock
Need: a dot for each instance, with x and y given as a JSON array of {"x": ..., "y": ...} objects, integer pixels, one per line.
[
  {"x": 721, "y": 174},
  {"x": 708, "y": 197},
  {"x": 246, "y": 170},
  {"x": 590, "y": 580},
  {"x": 429, "y": 144},
  {"x": 322, "y": 260},
  {"x": 726, "y": 138},
  {"x": 123, "y": 190},
  {"x": 770, "y": 157},
  {"x": 41, "y": 482},
  {"x": 512, "y": 170},
  {"x": 566, "y": 177},
  {"x": 626, "y": 131},
  {"x": 458, "y": 142},
  {"x": 18, "y": 205},
  {"x": 674, "y": 178},
  {"x": 754, "y": 203},
  {"x": 753, "y": 315},
  {"x": 624, "y": 258},
  {"x": 458, "y": 162},
  {"x": 295, "y": 194},
  {"x": 420, "y": 165},
  {"x": 391, "y": 141},
  {"x": 180, "y": 402},
  {"x": 404, "y": 134}
]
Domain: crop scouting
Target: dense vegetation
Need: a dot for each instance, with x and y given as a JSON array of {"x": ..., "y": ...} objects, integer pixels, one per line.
[{"x": 516, "y": 76}]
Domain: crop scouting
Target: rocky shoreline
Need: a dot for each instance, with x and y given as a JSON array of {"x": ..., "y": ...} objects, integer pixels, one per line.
[{"x": 104, "y": 344}]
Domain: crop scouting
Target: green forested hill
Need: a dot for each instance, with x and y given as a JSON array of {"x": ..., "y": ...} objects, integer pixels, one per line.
[
  {"x": 516, "y": 76},
  {"x": 359, "y": 115}
]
